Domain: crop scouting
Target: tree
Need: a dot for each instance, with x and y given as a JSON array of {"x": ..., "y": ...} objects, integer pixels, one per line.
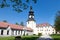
[
  {"x": 39, "y": 34},
  {"x": 57, "y": 21},
  {"x": 22, "y": 23},
  {"x": 4, "y": 21},
  {"x": 17, "y": 5},
  {"x": 17, "y": 23}
]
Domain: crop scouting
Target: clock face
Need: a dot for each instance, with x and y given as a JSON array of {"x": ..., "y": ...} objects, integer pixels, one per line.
[{"x": 29, "y": 16}]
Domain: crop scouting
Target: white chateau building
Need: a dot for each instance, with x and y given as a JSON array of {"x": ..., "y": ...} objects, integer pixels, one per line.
[
  {"x": 31, "y": 28},
  {"x": 45, "y": 28}
]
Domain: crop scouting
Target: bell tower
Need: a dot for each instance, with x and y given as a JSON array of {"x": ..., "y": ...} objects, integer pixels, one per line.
[
  {"x": 31, "y": 14},
  {"x": 31, "y": 23}
]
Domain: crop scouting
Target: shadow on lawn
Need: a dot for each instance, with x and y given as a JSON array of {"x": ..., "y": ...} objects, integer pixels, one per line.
[
  {"x": 29, "y": 38},
  {"x": 25, "y": 38}
]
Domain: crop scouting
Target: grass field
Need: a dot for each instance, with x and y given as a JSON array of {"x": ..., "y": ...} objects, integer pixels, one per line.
[
  {"x": 32, "y": 37},
  {"x": 56, "y": 36},
  {"x": 7, "y": 38},
  {"x": 22, "y": 38}
]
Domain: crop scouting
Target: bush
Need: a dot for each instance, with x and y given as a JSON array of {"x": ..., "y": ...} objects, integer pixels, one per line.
[
  {"x": 39, "y": 34},
  {"x": 27, "y": 34},
  {"x": 29, "y": 37},
  {"x": 18, "y": 38},
  {"x": 34, "y": 34}
]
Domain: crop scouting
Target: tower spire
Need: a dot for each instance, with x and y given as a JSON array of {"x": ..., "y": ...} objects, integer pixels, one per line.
[
  {"x": 31, "y": 15},
  {"x": 31, "y": 12},
  {"x": 30, "y": 8}
]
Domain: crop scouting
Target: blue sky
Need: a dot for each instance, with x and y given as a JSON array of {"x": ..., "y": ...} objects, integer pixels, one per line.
[{"x": 44, "y": 10}]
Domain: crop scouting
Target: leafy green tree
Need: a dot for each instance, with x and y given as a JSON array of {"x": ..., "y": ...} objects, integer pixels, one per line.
[
  {"x": 57, "y": 21},
  {"x": 17, "y": 5},
  {"x": 22, "y": 23},
  {"x": 17, "y": 23},
  {"x": 4, "y": 20}
]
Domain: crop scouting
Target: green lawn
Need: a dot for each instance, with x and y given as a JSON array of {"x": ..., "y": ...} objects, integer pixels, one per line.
[
  {"x": 22, "y": 38},
  {"x": 7, "y": 38},
  {"x": 56, "y": 36},
  {"x": 32, "y": 37}
]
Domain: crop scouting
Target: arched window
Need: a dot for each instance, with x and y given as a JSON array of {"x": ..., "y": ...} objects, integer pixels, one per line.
[{"x": 1, "y": 32}]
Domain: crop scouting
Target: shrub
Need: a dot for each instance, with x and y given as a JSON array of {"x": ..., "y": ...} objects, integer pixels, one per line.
[
  {"x": 34, "y": 34},
  {"x": 18, "y": 38},
  {"x": 39, "y": 34},
  {"x": 27, "y": 34},
  {"x": 29, "y": 37}
]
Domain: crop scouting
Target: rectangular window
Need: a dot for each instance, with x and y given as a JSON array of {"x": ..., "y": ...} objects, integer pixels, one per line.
[
  {"x": 21, "y": 32},
  {"x": 1, "y": 32},
  {"x": 7, "y": 32},
  {"x": 49, "y": 30},
  {"x": 12, "y": 32},
  {"x": 18, "y": 32},
  {"x": 53, "y": 32}
]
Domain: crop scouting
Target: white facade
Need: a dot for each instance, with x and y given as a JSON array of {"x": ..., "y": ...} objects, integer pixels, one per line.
[
  {"x": 44, "y": 30},
  {"x": 47, "y": 30},
  {"x": 12, "y": 32},
  {"x": 32, "y": 25},
  {"x": 5, "y": 31}
]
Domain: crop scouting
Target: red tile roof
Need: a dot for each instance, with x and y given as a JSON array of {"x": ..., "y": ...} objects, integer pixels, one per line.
[
  {"x": 13, "y": 26},
  {"x": 43, "y": 25}
]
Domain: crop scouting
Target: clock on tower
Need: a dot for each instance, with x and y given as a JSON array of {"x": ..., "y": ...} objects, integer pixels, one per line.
[
  {"x": 31, "y": 23},
  {"x": 31, "y": 15}
]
